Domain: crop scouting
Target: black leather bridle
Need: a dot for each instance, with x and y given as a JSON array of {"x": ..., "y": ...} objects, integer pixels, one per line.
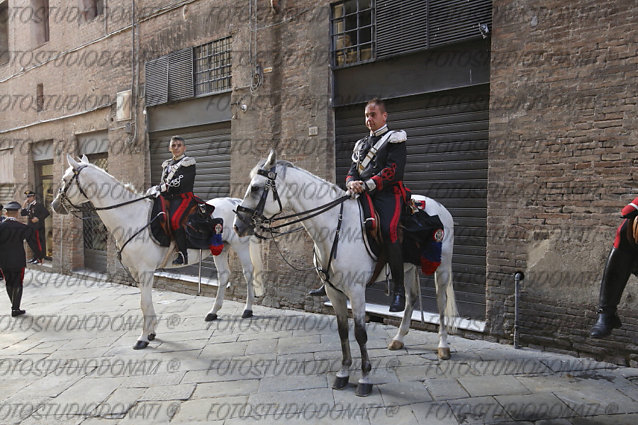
[
  {"x": 256, "y": 216},
  {"x": 76, "y": 177}
]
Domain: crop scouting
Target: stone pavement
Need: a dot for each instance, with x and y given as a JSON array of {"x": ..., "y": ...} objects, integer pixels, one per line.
[{"x": 69, "y": 360}]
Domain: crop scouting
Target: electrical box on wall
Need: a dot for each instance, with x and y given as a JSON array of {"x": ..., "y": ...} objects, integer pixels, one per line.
[{"x": 123, "y": 105}]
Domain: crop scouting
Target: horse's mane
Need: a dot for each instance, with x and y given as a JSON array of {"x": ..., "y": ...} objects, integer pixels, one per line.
[
  {"x": 287, "y": 164},
  {"x": 128, "y": 186}
]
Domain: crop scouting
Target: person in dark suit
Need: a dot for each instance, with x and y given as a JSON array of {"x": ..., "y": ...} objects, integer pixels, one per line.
[
  {"x": 12, "y": 256},
  {"x": 36, "y": 212}
]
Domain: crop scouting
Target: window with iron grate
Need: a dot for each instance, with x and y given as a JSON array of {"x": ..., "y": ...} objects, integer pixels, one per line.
[
  {"x": 212, "y": 67},
  {"x": 352, "y": 27}
]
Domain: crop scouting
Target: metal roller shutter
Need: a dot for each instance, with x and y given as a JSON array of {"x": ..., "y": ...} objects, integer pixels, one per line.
[
  {"x": 210, "y": 146},
  {"x": 447, "y": 161}
]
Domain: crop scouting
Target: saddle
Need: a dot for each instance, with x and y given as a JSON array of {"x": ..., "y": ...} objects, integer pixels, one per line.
[
  {"x": 201, "y": 229},
  {"x": 420, "y": 234}
]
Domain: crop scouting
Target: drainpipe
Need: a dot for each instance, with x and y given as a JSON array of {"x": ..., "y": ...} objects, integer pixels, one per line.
[
  {"x": 134, "y": 73},
  {"x": 518, "y": 277}
]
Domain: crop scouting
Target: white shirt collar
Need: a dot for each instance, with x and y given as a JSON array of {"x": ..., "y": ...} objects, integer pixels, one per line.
[{"x": 379, "y": 131}]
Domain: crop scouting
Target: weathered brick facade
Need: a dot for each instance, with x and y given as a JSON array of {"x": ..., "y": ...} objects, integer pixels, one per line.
[{"x": 563, "y": 135}]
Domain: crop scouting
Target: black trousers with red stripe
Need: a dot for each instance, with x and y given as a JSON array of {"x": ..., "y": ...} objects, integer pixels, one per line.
[
  {"x": 13, "y": 280},
  {"x": 41, "y": 239},
  {"x": 389, "y": 206}
]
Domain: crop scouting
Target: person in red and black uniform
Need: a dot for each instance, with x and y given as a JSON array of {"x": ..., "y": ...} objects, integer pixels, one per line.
[
  {"x": 36, "y": 213},
  {"x": 378, "y": 161},
  {"x": 178, "y": 179},
  {"x": 12, "y": 256},
  {"x": 621, "y": 263}
]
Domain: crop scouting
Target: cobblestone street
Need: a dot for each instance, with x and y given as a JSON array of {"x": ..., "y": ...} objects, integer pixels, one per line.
[{"x": 69, "y": 360}]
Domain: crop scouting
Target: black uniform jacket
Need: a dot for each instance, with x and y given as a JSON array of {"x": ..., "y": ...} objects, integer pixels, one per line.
[
  {"x": 12, "y": 235},
  {"x": 36, "y": 209},
  {"x": 386, "y": 169},
  {"x": 178, "y": 176}
]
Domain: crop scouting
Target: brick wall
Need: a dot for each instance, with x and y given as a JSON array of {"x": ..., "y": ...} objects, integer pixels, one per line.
[{"x": 563, "y": 136}]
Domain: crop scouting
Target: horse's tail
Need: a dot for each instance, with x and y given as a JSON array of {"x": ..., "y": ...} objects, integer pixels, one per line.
[{"x": 254, "y": 248}]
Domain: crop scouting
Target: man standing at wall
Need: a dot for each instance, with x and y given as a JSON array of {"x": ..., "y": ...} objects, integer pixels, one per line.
[
  {"x": 36, "y": 213},
  {"x": 12, "y": 256}
]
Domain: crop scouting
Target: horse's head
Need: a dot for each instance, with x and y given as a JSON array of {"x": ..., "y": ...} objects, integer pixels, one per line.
[
  {"x": 70, "y": 195},
  {"x": 262, "y": 200}
]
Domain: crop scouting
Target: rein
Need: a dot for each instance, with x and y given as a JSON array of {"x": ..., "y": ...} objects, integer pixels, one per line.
[
  {"x": 258, "y": 219},
  {"x": 76, "y": 177}
]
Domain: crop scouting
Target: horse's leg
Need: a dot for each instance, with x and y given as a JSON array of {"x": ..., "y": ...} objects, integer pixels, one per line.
[
  {"x": 223, "y": 274},
  {"x": 145, "y": 282},
  {"x": 247, "y": 266},
  {"x": 339, "y": 303},
  {"x": 358, "y": 302},
  {"x": 443, "y": 281},
  {"x": 411, "y": 293}
]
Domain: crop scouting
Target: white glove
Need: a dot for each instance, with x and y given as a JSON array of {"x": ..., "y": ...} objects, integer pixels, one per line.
[{"x": 153, "y": 191}]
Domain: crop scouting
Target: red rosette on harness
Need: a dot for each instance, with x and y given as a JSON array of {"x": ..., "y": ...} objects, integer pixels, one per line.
[
  {"x": 216, "y": 244},
  {"x": 431, "y": 253}
]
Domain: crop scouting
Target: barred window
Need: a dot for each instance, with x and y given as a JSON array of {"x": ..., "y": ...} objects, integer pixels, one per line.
[
  {"x": 213, "y": 67},
  {"x": 353, "y": 32}
]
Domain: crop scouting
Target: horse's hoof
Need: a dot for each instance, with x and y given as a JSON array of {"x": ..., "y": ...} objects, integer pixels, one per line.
[
  {"x": 340, "y": 382},
  {"x": 140, "y": 345},
  {"x": 247, "y": 314},
  {"x": 395, "y": 345},
  {"x": 363, "y": 390},
  {"x": 444, "y": 353},
  {"x": 151, "y": 337},
  {"x": 210, "y": 317}
]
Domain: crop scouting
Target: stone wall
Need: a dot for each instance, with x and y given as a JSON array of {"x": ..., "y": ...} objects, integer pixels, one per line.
[{"x": 563, "y": 134}]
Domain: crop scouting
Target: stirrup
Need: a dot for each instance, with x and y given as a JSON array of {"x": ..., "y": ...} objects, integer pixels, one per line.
[
  {"x": 180, "y": 260},
  {"x": 319, "y": 292}
]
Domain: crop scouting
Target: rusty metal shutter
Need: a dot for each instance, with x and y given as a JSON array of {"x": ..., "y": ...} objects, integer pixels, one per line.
[
  {"x": 447, "y": 161},
  {"x": 180, "y": 75},
  {"x": 210, "y": 146},
  {"x": 412, "y": 25},
  {"x": 156, "y": 77}
]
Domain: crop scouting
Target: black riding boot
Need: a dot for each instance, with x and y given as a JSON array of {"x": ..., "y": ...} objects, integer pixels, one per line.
[
  {"x": 395, "y": 261},
  {"x": 617, "y": 271},
  {"x": 180, "y": 240},
  {"x": 16, "y": 299},
  {"x": 10, "y": 293},
  {"x": 319, "y": 292}
]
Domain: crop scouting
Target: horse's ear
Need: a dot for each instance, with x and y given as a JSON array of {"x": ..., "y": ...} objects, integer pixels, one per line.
[
  {"x": 72, "y": 162},
  {"x": 85, "y": 159},
  {"x": 271, "y": 160}
]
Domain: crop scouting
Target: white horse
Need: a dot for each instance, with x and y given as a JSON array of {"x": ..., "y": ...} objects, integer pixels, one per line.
[
  {"x": 83, "y": 182},
  {"x": 278, "y": 185}
]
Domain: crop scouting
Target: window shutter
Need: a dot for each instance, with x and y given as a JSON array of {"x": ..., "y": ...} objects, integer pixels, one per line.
[
  {"x": 180, "y": 75},
  {"x": 457, "y": 20},
  {"x": 401, "y": 26},
  {"x": 411, "y": 25},
  {"x": 156, "y": 75}
]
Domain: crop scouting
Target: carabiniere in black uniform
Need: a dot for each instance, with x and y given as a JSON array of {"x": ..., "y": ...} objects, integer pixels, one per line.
[{"x": 382, "y": 174}]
